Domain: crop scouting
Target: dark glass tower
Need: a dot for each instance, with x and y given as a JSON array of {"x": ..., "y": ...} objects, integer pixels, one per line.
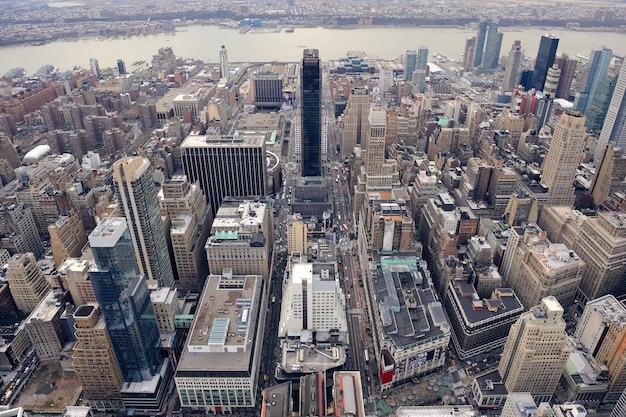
[
  {"x": 480, "y": 43},
  {"x": 124, "y": 300},
  {"x": 544, "y": 61},
  {"x": 310, "y": 82}
]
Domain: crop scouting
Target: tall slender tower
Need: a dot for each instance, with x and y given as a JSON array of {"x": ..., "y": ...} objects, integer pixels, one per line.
[
  {"x": 565, "y": 153},
  {"x": 137, "y": 196},
  {"x": 545, "y": 60},
  {"x": 410, "y": 62},
  {"x": 511, "y": 72},
  {"x": 479, "y": 45},
  {"x": 613, "y": 130},
  {"x": 355, "y": 120},
  {"x": 536, "y": 351},
  {"x": 124, "y": 300},
  {"x": 493, "y": 45},
  {"x": 94, "y": 67},
  {"x": 375, "y": 155},
  {"x": 422, "y": 58},
  {"x": 597, "y": 69},
  {"x": 224, "y": 71},
  {"x": 567, "y": 66},
  {"x": 310, "y": 84}
]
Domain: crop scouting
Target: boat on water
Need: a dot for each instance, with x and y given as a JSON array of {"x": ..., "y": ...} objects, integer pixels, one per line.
[{"x": 302, "y": 46}]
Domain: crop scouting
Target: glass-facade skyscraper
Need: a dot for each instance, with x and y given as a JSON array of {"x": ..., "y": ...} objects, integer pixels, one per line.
[
  {"x": 124, "y": 300},
  {"x": 598, "y": 67},
  {"x": 544, "y": 61},
  {"x": 479, "y": 46},
  {"x": 410, "y": 64},
  {"x": 310, "y": 83}
]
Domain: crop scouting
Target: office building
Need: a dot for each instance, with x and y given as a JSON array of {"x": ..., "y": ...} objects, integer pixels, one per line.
[
  {"x": 124, "y": 300},
  {"x": 540, "y": 268},
  {"x": 94, "y": 67},
  {"x": 421, "y": 62},
  {"x": 600, "y": 102},
  {"x": 67, "y": 237},
  {"x": 226, "y": 166},
  {"x": 536, "y": 351},
  {"x": 185, "y": 206},
  {"x": 609, "y": 176},
  {"x": 311, "y": 116},
  {"x": 545, "y": 59},
  {"x": 511, "y": 71},
  {"x": 241, "y": 238},
  {"x": 121, "y": 67},
  {"x": 564, "y": 156},
  {"x": 410, "y": 63},
  {"x": 584, "y": 380},
  {"x": 266, "y": 90},
  {"x": 568, "y": 67},
  {"x": 94, "y": 360},
  {"x": 468, "y": 55},
  {"x": 613, "y": 129},
  {"x": 44, "y": 328},
  {"x": 601, "y": 244},
  {"x": 479, "y": 45},
  {"x": 27, "y": 282},
  {"x": 620, "y": 408},
  {"x": 355, "y": 120},
  {"x": 552, "y": 81},
  {"x": 74, "y": 276},
  {"x": 224, "y": 70},
  {"x": 8, "y": 151},
  {"x": 406, "y": 345},
  {"x": 313, "y": 301},
  {"x": 479, "y": 325},
  {"x": 18, "y": 230},
  {"x": 597, "y": 68},
  {"x": 138, "y": 202},
  {"x": 519, "y": 404},
  {"x": 296, "y": 234},
  {"x": 375, "y": 142},
  {"x": 602, "y": 331},
  {"x": 493, "y": 44},
  {"x": 165, "y": 306},
  {"x": 219, "y": 369}
]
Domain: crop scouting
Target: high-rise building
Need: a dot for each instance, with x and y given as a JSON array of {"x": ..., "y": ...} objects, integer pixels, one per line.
[
  {"x": 597, "y": 68},
  {"x": 19, "y": 230},
  {"x": 568, "y": 67},
  {"x": 511, "y": 72},
  {"x": 421, "y": 62},
  {"x": 266, "y": 90},
  {"x": 552, "y": 81},
  {"x": 602, "y": 331},
  {"x": 224, "y": 350},
  {"x": 410, "y": 63},
  {"x": 468, "y": 55},
  {"x": 375, "y": 146},
  {"x": 27, "y": 282},
  {"x": 563, "y": 158},
  {"x": 479, "y": 45},
  {"x": 311, "y": 117},
  {"x": 8, "y": 151},
  {"x": 493, "y": 44},
  {"x": 121, "y": 67},
  {"x": 137, "y": 197},
  {"x": 124, "y": 300},
  {"x": 544, "y": 61},
  {"x": 355, "y": 120},
  {"x": 296, "y": 234},
  {"x": 67, "y": 237},
  {"x": 519, "y": 404},
  {"x": 94, "y": 361},
  {"x": 609, "y": 176},
  {"x": 225, "y": 166},
  {"x": 536, "y": 351},
  {"x": 620, "y": 408},
  {"x": 224, "y": 70},
  {"x": 241, "y": 238},
  {"x": 94, "y": 67},
  {"x": 190, "y": 217},
  {"x": 600, "y": 103},
  {"x": 613, "y": 130}
]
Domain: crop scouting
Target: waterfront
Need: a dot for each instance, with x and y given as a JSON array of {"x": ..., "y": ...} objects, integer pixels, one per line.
[{"x": 204, "y": 42}]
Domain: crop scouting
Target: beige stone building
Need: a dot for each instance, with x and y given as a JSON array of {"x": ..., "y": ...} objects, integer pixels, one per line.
[{"x": 27, "y": 282}]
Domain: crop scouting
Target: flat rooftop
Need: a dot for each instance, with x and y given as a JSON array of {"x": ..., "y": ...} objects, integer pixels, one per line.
[
  {"x": 503, "y": 303},
  {"x": 409, "y": 311},
  {"x": 203, "y": 141},
  {"x": 222, "y": 336},
  {"x": 107, "y": 232},
  {"x": 437, "y": 411}
]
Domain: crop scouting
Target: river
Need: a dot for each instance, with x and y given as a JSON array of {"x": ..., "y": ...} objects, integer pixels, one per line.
[{"x": 204, "y": 42}]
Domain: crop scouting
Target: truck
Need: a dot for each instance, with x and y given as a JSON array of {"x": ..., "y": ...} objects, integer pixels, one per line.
[{"x": 367, "y": 356}]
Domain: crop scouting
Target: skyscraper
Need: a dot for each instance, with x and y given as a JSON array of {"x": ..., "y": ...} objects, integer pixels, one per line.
[
  {"x": 552, "y": 81},
  {"x": 511, "y": 72},
  {"x": 545, "y": 60},
  {"x": 27, "y": 282},
  {"x": 600, "y": 103},
  {"x": 226, "y": 166},
  {"x": 565, "y": 154},
  {"x": 468, "y": 52},
  {"x": 124, "y": 300},
  {"x": 310, "y": 84},
  {"x": 224, "y": 71},
  {"x": 355, "y": 120},
  {"x": 613, "y": 130},
  {"x": 597, "y": 69},
  {"x": 375, "y": 154},
  {"x": 94, "y": 67},
  {"x": 421, "y": 62},
  {"x": 493, "y": 44},
  {"x": 137, "y": 197},
  {"x": 536, "y": 351},
  {"x": 410, "y": 63},
  {"x": 567, "y": 66},
  {"x": 121, "y": 67},
  {"x": 479, "y": 45}
]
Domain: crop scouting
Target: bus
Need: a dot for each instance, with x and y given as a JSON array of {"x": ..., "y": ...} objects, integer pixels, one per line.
[
  {"x": 273, "y": 300},
  {"x": 367, "y": 357}
]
